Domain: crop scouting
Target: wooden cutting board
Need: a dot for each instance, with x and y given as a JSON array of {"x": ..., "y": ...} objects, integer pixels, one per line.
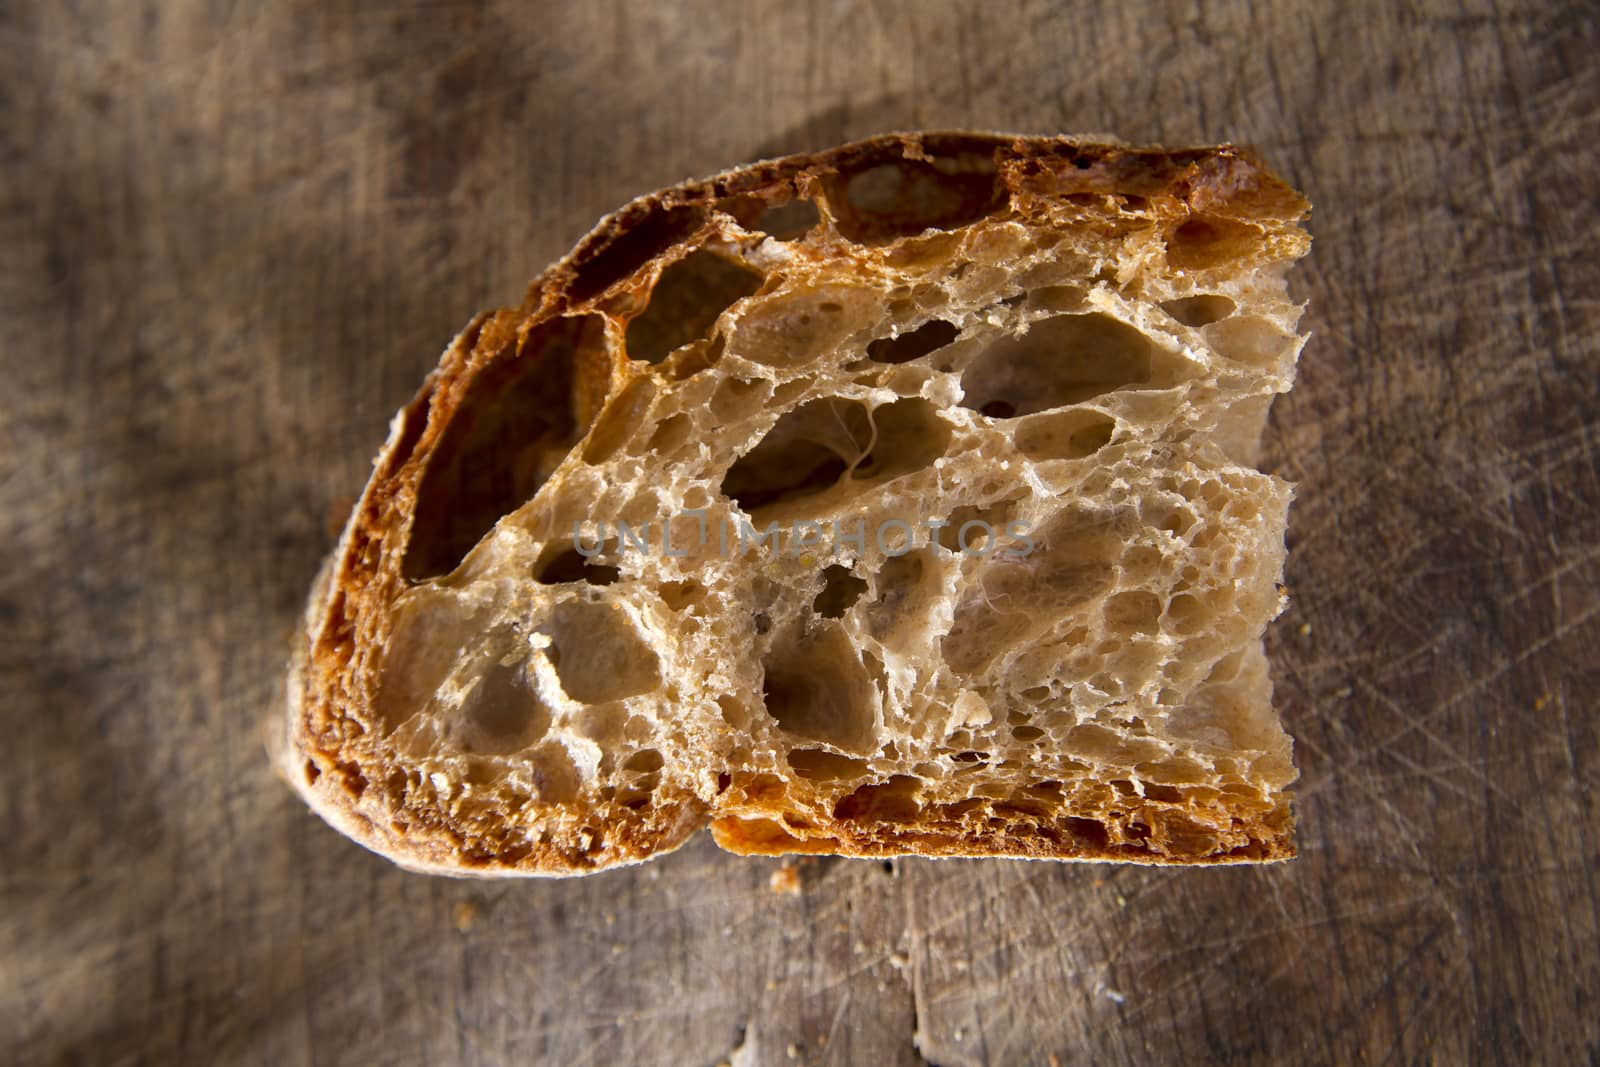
[{"x": 234, "y": 238}]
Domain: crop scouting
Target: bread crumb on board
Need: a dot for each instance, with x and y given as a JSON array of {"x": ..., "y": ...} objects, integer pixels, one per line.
[
  {"x": 464, "y": 914},
  {"x": 785, "y": 880}
]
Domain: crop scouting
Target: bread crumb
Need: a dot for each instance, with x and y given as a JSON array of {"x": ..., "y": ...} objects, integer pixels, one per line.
[
  {"x": 785, "y": 881},
  {"x": 1055, "y": 1061},
  {"x": 1305, "y": 629},
  {"x": 793, "y": 1050},
  {"x": 463, "y": 914},
  {"x": 1539, "y": 705}
]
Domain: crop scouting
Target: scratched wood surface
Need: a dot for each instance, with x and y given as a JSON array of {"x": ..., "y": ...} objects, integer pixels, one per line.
[{"x": 233, "y": 239}]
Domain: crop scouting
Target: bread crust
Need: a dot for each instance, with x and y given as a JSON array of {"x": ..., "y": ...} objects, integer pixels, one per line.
[{"x": 325, "y": 743}]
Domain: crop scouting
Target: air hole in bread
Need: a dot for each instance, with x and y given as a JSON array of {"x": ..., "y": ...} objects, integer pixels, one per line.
[
  {"x": 686, "y": 302},
  {"x": 431, "y": 628},
  {"x": 1201, "y": 310},
  {"x": 695, "y": 357},
  {"x": 737, "y": 398},
  {"x": 1178, "y": 521},
  {"x": 806, "y": 452},
  {"x": 643, "y": 237},
  {"x": 670, "y": 435},
  {"x": 1186, "y": 613},
  {"x": 734, "y": 711},
  {"x": 1203, "y": 241},
  {"x": 604, "y": 724},
  {"x": 840, "y": 590},
  {"x": 570, "y": 565},
  {"x": 905, "y": 435},
  {"x": 897, "y": 800},
  {"x": 501, "y": 714},
  {"x": 1090, "y": 834},
  {"x": 1101, "y": 745},
  {"x": 1023, "y": 807},
  {"x": 646, "y": 761},
  {"x": 974, "y": 529},
  {"x": 906, "y": 586},
  {"x": 1134, "y": 611},
  {"x": 906, "y": 197},
  {"x": 1016, "y": 600},
  {"x": 1050, "y": 790},
  {"x": 638, "y": 729},
  {"x": 803, "y": 326},
  {"x": 1073, "y": 433},
  {"x": 1139, "y": 565},
  {"x": 1063, "y": 360},
  {"x": 618, "y": 421},
  {"x": 1250, "y": 340},
  {"x": 1059, "y": 298},
  {"x": 598, "y": 653},
  {"x": 519, "y": 417},
  {"x": 816, "y": 687},
  {"x": 820, "y": 765},
  {"x": 926, "y": 338},
  {"x": 680, "y": 595},
  {"x": 1166, "y": 794},
  {"x": 554, "y": 775},
  {"x": 790, "y": 220}
]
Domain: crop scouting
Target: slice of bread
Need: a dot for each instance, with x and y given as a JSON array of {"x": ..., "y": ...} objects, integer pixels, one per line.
[{"x": 895, "y": 499}]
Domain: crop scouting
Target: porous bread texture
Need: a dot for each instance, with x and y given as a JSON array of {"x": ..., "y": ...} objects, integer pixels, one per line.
[{"x": 1062, "y": 352}]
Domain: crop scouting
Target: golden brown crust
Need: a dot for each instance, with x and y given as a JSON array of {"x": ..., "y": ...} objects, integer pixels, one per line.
[{"x": 328, "y": 748}]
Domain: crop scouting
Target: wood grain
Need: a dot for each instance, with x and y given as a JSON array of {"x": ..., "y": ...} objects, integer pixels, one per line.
[{"x": 234, "y": 237}]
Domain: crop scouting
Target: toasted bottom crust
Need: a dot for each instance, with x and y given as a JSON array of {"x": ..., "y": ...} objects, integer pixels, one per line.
[{"x": 760, "y": 837}]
